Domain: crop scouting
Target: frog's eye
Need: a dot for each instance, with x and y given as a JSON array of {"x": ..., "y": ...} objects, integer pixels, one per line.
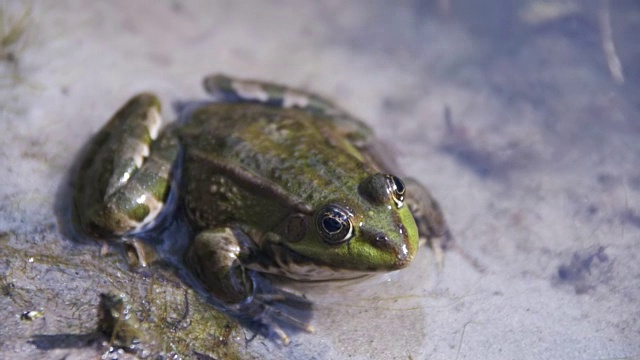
[
  {"x": 379, "y": 187},
  {"x": 334, "y": 224},
  {"x": 397, "y": 189}
]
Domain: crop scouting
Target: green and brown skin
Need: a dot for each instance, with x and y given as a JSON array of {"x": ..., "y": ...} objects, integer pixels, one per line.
[{"x": 280, "y": 181}]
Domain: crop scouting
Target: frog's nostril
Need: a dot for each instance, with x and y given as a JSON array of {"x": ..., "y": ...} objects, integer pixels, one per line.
[
  {"x": 381, "y": 241},
  {"x": 393, "y": 246}
]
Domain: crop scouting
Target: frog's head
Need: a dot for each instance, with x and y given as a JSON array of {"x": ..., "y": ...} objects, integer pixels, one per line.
[{"x": 372, "y": 230}]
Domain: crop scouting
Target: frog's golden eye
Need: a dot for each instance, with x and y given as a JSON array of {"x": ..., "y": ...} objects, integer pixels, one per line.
[
  {"x": 334, "y": 224},
  {"x": 397, "y": 189},
  {"x": 378, "y": 188}
]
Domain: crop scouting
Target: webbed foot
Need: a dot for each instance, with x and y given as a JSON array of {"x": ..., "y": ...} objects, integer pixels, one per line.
[
  {"x": 274, "y": 313},
  {"x": 247, "y": 296}
]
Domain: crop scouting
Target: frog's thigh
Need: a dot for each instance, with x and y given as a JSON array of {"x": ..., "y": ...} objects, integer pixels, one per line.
[
  {"x": 125, "y": 178},
  {"x": 213, "y": 256},
  {"x": 427, "y": 213},
  {"x": 287, "y": 97}
]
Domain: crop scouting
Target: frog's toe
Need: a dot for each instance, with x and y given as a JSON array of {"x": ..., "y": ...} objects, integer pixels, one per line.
[
  {"x": 286, "y": 318},
  {"x": 275, "y": 314},
  {"x": 438, "y": 244},
  {"x": 275, "y": 331},
  {"x": 272, "y": 322}
]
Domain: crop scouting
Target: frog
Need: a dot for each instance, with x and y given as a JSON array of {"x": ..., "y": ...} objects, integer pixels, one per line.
[{"x": 272, "y": 181}]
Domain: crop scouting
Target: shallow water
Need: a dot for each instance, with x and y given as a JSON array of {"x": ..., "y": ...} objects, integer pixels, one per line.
[{"x": 512, "y": 113}]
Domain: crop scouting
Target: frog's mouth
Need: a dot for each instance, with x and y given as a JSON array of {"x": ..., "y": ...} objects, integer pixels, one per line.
[{"x": 282, "y": 261}]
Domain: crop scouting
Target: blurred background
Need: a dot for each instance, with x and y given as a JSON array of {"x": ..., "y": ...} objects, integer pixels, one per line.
[{"x": 521, "y": 117}]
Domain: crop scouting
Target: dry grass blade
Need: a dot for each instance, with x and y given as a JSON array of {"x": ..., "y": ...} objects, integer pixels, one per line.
[{"x": 608, "y": 46}]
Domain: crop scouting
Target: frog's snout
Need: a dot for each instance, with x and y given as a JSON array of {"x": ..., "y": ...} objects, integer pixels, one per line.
[{"x": 398, "y": 245}]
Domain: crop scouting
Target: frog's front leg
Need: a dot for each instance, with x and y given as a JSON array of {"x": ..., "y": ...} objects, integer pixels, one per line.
[
  {"x": 124, "y": 180},
  {"x": 427, "y": 213},
  {"x": 215, "y": 258},
  {"x": 432, "y": 226}
]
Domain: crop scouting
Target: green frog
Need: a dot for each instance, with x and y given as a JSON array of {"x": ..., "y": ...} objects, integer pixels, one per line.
[{"x": 270, "y": 179}]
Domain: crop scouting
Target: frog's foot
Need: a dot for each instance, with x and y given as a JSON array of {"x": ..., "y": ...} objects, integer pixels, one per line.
[
  {"x": 452, "y": 245},
  {"x": 426, "y": 211},
  {"x": 438, "y": 246},
  {"x": 447, "y": 243},
  {"x": 432, "y": 226},
  {"x": 272, "y": 313},
  {"x": 232, "y": 89},
  {"x": 139, "y": 253},
  {"x": 213, "y": 258}
]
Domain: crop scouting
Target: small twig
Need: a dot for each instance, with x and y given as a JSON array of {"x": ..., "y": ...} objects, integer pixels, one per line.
[
  {"x": 464, "y": 328},
  {"x": 608, "y": 46}
]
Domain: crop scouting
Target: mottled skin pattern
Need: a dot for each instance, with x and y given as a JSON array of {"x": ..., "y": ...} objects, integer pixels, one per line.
[
  {"x": 274, "y": 180},
  {"x": 115, "y": 193}
]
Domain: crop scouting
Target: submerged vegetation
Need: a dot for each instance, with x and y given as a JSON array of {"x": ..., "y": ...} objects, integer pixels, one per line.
[
  {"x": 50, "y": 284},
  {"x": 13, "y": 39}
]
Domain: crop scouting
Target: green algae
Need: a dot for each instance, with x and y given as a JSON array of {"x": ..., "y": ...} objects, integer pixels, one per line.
[{"x": 83, "y": 297}]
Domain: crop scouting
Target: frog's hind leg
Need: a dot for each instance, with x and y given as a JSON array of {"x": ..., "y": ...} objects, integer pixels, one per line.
[
  {"x": 232, "y": 89},
  {"x": 124, "y": 180}
]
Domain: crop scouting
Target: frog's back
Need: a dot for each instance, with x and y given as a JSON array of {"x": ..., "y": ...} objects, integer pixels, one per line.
[{"x": 301, "y": 159}]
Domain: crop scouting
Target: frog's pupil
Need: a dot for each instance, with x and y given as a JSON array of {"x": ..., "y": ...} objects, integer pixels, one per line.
[
  {"x": 331, "y": 225},
  {"x": 398, "y": 184},
  {"x": 334, "y": 225}
]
